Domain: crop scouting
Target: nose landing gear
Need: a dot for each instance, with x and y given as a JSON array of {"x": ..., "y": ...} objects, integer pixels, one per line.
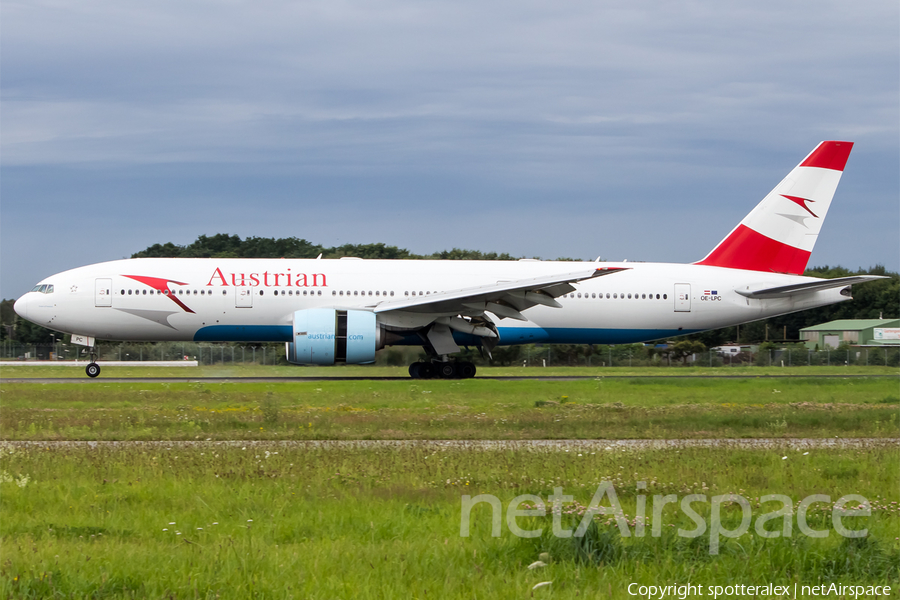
[{"x": 93, "y": 369}]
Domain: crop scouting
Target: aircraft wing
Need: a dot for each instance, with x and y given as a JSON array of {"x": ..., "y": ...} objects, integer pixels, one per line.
[
  {"x": 806, "y": 287},
  {"x": 504, "y": 298}
]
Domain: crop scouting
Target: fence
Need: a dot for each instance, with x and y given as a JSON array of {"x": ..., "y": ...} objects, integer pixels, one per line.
[
  {"x": 631, "y": 355},
  {"x": 205, "y": 354}
]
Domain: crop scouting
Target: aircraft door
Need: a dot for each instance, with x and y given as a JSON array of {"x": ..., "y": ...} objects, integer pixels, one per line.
[
  {"x": 682, "y": 297},
  {"x": 243, "y": 297},
  {"x": 103, "y": 292}
]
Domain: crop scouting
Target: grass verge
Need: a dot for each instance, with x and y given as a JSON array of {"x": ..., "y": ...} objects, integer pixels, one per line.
[
  {"x": 645, "y": 407},
  {"x": 220, "y": 520}
]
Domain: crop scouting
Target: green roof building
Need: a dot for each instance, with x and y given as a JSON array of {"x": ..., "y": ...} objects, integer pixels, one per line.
[{"x": 856, "y": 332}]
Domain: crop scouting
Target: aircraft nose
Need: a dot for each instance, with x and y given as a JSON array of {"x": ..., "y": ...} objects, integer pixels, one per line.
[{"x": 21, "y": 306}]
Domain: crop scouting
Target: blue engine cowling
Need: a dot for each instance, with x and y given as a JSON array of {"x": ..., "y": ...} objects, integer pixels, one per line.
[{"x": 324, "y": 336}]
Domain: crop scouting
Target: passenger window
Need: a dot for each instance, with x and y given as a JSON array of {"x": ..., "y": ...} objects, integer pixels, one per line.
[
  {"x": 665, "y": 296},
  {"x": 129, "y": 292},
  {"x": 392, "y": 293}
]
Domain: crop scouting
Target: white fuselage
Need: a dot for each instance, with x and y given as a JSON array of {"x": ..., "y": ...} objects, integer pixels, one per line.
[{"x": 159, "y": 299}]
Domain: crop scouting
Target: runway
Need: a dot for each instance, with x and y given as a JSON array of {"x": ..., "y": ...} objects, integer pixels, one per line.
[{"x": 98, "y": 380}]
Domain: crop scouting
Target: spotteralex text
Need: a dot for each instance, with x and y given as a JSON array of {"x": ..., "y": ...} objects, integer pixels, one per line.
[{"x": 769, "y": 590}]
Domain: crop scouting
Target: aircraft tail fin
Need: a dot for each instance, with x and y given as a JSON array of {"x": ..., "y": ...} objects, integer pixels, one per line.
[{"x": 779, "y": 234}]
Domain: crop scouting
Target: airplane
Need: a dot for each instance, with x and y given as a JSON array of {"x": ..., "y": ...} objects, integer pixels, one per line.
[{"x": 344, "y": 310}]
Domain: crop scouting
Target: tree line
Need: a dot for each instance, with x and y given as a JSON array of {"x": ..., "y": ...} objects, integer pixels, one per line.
[
  {"x": 223, "y": 245},
  {"x": 877, "y": 299}
]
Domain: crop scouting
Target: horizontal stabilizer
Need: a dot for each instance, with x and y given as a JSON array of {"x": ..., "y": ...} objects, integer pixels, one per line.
[{"x": 807, "y": 287}]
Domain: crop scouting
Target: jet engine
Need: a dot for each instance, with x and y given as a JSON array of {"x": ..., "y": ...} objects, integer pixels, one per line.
[{"x": 324, "y": 336}]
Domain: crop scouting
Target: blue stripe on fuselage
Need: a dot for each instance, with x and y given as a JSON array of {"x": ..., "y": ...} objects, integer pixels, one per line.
[
  {"x": 508, "y": 335},
  {"x": 580, "y": 335},
  {"x": 244, "y": 333}
]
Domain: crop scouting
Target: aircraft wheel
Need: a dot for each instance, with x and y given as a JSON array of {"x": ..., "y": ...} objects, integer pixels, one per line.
[
  {"x": 426, "y": 370},
  {"x": 92, "y": 370},
  {"x": 466, "y": 370},
  {"x": 414, "y": 370},
  {"x": 447, "y": 370}
]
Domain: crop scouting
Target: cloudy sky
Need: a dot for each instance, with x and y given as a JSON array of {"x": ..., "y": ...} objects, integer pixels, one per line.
[{"x": 632, "y": 129}]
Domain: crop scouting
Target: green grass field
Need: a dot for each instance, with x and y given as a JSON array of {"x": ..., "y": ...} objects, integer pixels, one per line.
[
  {"x": 605, "y": 408},
  {"x": 271, "y": 520},
  {"x": 263, "y": 521}
]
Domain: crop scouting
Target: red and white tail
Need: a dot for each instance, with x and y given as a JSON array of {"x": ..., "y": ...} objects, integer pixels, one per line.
[{"x": 779, "y": 234}]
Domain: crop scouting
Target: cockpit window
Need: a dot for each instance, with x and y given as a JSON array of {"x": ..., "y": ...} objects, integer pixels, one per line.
[{"x": 45, "y": 288}]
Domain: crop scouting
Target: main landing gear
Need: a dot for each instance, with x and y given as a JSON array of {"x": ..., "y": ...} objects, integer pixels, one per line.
[
  {"x": 441, "y": 370},
  {"x": 93, "y": 369}
]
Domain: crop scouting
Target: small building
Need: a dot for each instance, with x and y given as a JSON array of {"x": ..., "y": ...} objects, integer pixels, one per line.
[{"x": 856, "y": 332}]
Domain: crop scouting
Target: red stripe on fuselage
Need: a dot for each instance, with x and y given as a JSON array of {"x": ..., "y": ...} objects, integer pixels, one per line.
[
  {"x": 829, "y": 155},
  {"x": 752, "y": 251},
  {"x": 161, "y": 286}
]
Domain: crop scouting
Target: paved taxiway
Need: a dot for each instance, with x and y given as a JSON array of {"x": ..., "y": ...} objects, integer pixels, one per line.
[{"x": 503, "y": 378}]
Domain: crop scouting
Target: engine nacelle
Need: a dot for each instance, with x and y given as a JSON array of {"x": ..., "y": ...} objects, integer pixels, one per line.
[{"x": 324, "y": 336}]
